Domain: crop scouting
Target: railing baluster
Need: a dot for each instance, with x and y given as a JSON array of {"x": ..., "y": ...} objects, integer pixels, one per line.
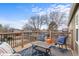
[
  {"x": 8, "y": 40},
  {"x": 1, "y": 37},
  {"x": 22, "y": 42},
  {"x": 13, "y": 40}
]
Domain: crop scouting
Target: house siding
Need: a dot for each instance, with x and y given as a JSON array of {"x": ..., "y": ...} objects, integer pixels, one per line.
[{"x": 73, "y": 26}]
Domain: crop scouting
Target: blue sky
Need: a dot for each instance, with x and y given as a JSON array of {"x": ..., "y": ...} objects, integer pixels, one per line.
[{"x": 17, "y": 14}]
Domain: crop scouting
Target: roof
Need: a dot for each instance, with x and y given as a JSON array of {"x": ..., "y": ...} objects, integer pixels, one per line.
[{"x": 73, "y": 11}]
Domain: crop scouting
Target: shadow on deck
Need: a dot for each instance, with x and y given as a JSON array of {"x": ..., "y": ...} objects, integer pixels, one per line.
[{"x": 55, "y": 51}]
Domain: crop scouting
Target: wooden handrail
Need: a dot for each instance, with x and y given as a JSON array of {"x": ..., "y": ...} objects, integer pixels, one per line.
[{"x": 16, "y": 38}]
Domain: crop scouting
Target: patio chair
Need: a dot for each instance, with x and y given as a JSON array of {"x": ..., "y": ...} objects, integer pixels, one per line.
[
  {"x": 6, "y": 50},
  {"x": 61, "y": 40},
  {"x": 41, "y": 37},
  {"x": 40, "y": 51}
]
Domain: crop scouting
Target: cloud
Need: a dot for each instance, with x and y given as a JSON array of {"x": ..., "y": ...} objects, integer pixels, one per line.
[
  {"x": 44, "y": 27},
  {"x": 54, "y": 7},
  {"x": 62, "y": 27},
  {"x": 61, "y": 8},
  {"x": 41, "y": 13},
  {"x": 13, "y": 23},
  {"x": 36, "y": 9}
]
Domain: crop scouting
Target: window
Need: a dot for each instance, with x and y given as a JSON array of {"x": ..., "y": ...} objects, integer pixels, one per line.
[
  {"x": 76, "y": 19},
  {"x": 77, "y": 26},
  {"x": 76, "y": 34}
]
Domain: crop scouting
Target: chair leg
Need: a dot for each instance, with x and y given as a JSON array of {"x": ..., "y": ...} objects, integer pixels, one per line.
[
  {"x": 59, "y": 45},
  {"x": 65, "y": 46},
  {"x": 50, "y": 53},
  {"x": 62, "y": 46}
]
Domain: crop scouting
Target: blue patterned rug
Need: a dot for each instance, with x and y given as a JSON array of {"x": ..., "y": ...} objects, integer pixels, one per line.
[{"x": 55, "y": 52}]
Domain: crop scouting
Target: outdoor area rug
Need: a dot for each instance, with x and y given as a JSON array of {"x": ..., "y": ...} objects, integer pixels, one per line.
[{"x": 54, "y": 50}]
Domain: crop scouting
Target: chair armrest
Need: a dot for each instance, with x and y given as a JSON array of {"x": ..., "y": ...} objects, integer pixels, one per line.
[{"x": 14, "y": 51}]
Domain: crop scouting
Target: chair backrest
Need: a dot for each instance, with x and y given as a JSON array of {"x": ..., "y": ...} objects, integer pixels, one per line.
[
  {"x": 0, "y": 42},
  {"x": 62, "y": 39},
  {"x": 5, "y": 48},
  {"x": 41, "y": 37}
]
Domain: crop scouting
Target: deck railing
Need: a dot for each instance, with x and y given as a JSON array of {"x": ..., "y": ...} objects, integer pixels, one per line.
[{"x": 21, "y": 38}]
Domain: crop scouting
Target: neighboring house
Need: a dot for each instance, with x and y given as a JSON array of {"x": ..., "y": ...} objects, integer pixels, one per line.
[{"x": 74, "y": 27}]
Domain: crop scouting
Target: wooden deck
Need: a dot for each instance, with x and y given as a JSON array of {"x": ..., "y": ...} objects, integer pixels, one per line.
[
  {"x": 19, "y": 48},
  {"x": 56, "y": 51}
]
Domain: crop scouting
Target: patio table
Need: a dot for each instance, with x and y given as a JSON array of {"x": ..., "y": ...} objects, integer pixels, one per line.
[{"x": 42, "y": 46}]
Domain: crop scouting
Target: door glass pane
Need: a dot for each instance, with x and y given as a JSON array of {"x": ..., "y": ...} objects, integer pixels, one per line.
[
  {"x": 77, "y": 20},
  {"x": 76, "y": 34}
]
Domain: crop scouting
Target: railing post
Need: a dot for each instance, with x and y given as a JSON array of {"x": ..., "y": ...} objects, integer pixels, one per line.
[
  {"x": 22, "y": 41},
  {"x": 13, "y": 40},
  {"x": 50, "y": 34},
  {"x": 1, "y": 37},
  {"x": 29, "y": 36},
  {"x": 71, "y": 40}
]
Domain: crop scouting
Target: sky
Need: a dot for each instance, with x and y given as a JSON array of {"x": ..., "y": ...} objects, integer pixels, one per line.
[{"x": 17, "y": 14}]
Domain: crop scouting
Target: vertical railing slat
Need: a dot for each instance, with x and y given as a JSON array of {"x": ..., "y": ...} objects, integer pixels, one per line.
[{"x": 13, "y": 40}]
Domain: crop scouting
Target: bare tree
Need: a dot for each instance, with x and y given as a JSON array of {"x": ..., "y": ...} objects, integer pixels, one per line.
[
  {"x": 1, "y": 28},
  {"x": 0, "y": 25},
  {"x": 45, "y": 20},
  {"x": 27, "y": 27},
  {"x": 52, "y": 20},
  {"x": 52, "y": 26},
  {"x": 6, "y": 27},
  {"x": 32, "y": 22},
  {"x": 57, "y": 17},
  {"x": 36, "y": 22}
]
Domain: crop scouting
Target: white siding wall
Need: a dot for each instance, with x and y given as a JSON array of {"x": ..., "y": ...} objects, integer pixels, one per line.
[
  {"x": 77, "y": 27},
  {"x": 78, "y": 30},
  {"x": 73, "y": 26}
]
